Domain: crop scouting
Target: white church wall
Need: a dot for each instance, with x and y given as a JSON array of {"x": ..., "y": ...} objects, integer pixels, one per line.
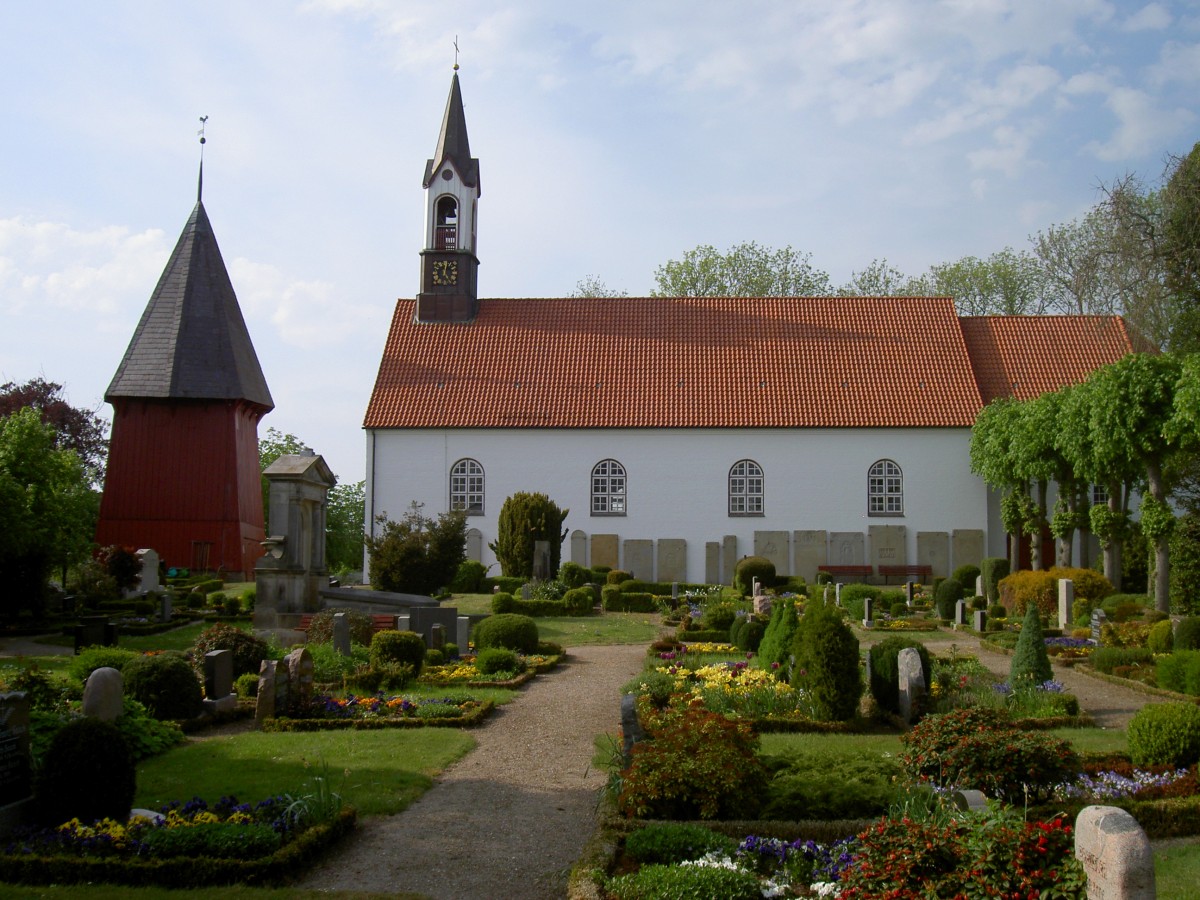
[{"x": 815, "y": 479}]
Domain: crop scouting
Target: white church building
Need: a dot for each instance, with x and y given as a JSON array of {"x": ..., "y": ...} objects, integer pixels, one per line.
[{"x": 684, "y": 433}]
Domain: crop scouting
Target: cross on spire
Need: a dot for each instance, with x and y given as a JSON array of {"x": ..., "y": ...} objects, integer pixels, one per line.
[
  {"x": 200, "y": 180},
  {"x": 456, "y": 53}
]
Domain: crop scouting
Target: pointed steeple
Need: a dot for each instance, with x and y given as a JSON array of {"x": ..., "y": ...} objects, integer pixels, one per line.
[
  {"x": 452, "y": 145},
  {"x": 192, "y": 342}
]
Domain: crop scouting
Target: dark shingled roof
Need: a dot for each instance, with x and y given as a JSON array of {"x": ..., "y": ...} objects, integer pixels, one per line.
[
  {"x": 452, "y": 144},
  {"x": 192, "y": 342}
]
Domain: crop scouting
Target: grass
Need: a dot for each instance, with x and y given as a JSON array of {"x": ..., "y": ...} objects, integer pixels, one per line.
[
  {"x": 1177, "y": 869},
  {"x": 376, "y": 772},
  {"x": 610, "y": 628}
]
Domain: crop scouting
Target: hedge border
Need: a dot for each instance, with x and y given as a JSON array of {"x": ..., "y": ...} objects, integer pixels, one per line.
[
  {"x": 284, "y": 724},
  {"x": 182, "y": 872}
]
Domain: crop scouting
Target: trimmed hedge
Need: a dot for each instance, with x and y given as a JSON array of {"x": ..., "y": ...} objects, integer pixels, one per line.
[
  {"x": 475, "y": 717},
  {"x": 615, "y": 600}
]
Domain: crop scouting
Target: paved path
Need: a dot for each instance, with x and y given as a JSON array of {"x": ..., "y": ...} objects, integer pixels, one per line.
[{"x": 510, "y": 819}]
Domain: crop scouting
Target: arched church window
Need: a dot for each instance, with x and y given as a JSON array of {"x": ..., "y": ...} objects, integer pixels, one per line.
[
  {"x": 885, "y": 489},
  {"x": 445, "y": 232},
  {"x": 608, "y": 488},
  {"x": 746, "y": 488},
  {"x": 466, "y": 487}
]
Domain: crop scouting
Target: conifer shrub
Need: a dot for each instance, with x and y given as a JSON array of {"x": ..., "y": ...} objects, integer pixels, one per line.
[
  {"x": 885, "y": 670},
  {"x": 750, "y": 567},
  {"x": 1161, "y": 639},
  {"x": 827, "y": 663},
  {"x": 165, "y": 684},
  {"x": 509, "y": 630},
  {"x": 503, "y": 602},
  {"x": 1187, "y": 633},
  {"x": 1165, "y": 734},
  {"x": 391, "y": 647},
  {"x": 966, "y": 576},
  {"x": 776, "y": 644},
  {"x": 87, "y": 772},
  {"x": 249, "y": 650},
  {"x": 526, "y": 518},
  {"x": 1185, "y": 564},
  {"x": 434, "y": 657},
  {"x": 497, "y": 659},
  {"x": 1030, "y": 663},
  {"x": 946, "y": 597},
  {"x": 993, "y": 569}
]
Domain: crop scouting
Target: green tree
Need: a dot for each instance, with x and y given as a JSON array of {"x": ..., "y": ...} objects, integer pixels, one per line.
[
  {"x": 1030, "y": 664},
  {"x": 81, "y": 430},
  {"x": 994, "y": 459},
  {"x": 879, "y": 279},
  {"x": 745, "y": 270},
  {"x": 47, "y": 509},
  {"x": 1007, "y": 283},
  {"x": 1077, "y": 260},
  {"x": 525, "y": 519},
  {"x": 417, "y": 555},
  {"x": 1181, "y": 245},
  {"x": 826, "y": 666},
  {"x": 594, "y": 286},
  {"x": 344, "y": 517}
]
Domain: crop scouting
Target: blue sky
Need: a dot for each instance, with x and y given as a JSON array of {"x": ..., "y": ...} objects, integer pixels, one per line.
[{"x": 612, "y": 137}]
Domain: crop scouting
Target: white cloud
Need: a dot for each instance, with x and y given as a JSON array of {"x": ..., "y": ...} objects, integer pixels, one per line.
[
  {"x": 1177, "y": 64},
  {"x": 1142, "y": 126},
  {"x": 1151, "y": 17},
  {"x": 1008, "y": 154}
]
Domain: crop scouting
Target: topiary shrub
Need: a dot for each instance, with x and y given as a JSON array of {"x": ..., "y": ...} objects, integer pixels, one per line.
[
  {"x": 1030, "y": 663},
  {"x": 899, "y": 610},
  {"x": 1165, "y": 734},
  {"x": 248, "y": 650},
  {"x": 1161, "y": 638},
  {"x": 503, "y": 602},
  {"x": 658, "y": 880},
  {"x": 246, "y": 686},
  {"x": 165, "y": 684},
  {"x": 579, "y": 600},
  {"x": 573, "y": 575},
  {"x": 497, "y": 659},
  {"x": 993, "y": 569},
  {"x": 749, "y": 635},
  {"x": 1187, "y": 633},
  {"x": 946, "y": 597},
  {"x": 885, "y": 670},
  {"x": 469, "y": 577},
  {"x": 997, "y": 611},
  {"x": 718, "y": 616},
  {"x": 1185, "y": 563},
  {"x": 92, "y": 658},
  {"x": 616, "y": 576},
  {"x": 508, "y": 630},
  {"x": 675, "y": 842},
  {"x": 750, "y": 567},
  {"x": 826, "y": 652},
  {"x": 320, "y": 628},
  {"x": 966, "y": 576},
  {"x": 87, "y": 773},
  {"x": 1027, "y": 587},
  {"x": 391, "y": 647}
]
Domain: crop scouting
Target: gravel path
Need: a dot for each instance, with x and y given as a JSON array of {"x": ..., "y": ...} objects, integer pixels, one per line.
[{"x": 509, "y": 819}]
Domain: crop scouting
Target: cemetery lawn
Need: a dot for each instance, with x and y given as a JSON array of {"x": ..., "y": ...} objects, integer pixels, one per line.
[
  {"x": 610, "y": 628},
  {"x": 378, "y": 772}
]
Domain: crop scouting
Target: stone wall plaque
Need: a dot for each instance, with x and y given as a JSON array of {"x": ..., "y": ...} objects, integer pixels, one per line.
[
  {"x": 809, "y": 550},
  {"x": 672, "y": 559},
  {"x": 579, "y": 554},
  {"x": 729, "y": 558},
  {"x": 639, "y": 559},
  {"x": 966, "y": 547},
  {"x": 889, "y": 545},
  {"x": 775, "y": 546},
  {"x": 847, "y": 548},
  {"x": 605, "y": 551},
  {"x": 712, "y": 562},
  {"x": 474, "y": 545},
  {"x": 933, "y": 549}
]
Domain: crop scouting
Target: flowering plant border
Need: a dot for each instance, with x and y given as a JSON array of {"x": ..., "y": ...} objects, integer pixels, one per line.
[{"x": 470, "y": 719}]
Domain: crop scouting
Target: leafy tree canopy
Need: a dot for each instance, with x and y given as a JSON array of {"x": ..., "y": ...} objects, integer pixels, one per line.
[
  {"x": 745, "y": 270},
  {"x": 81, "y": 430},
  {"x": 417, "y": 555}
]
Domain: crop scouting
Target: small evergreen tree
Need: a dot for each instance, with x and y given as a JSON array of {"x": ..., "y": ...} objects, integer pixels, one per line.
[
  {"x": 417, "y": 555},
  {"x": 1030, "y": 662},
  {"x": 525, "y": 519},
  {"x": 827, "y": 662},
  {"x": 776, "y": 645}
]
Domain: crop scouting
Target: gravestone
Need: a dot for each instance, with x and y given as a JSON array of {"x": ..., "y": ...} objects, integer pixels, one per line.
[
  {"x": 268, "y": 690},
  {"x": 846, "y": 548},
  {"x": 912, "y": 682},
  {"x": 868, "y": 610},
  {"x": 1115, "y": 853},
  {"x": 473, "y": 548},
  {"x": 300, "y": 676},
  {"x": 341, "y": 634},
  {"x": 639, "y": 559},
  {"x": 165, "y": 608},
  {"x": 837, "y": 594},
  {"x": 978, "y": 585},
  {"x": 218, "y": 681},
  {"x": 94, "y": 631},
  {"x": 980, "y": 622},
  {"x": 104, "y": 694},
  {"x": 402, "y": 622},
  {"x": 909, "y": 594},
  {"x": 631, "y": 728},
  {"x": 148, "y": 580},
  {"x": 527, "y": 591},
  {"x": 966, "y": 547},
  {"x": 889, "y": 545},
  {"x": 729, "y": 558},
  {"x": 579, "y": 542},
  {"x": 960, "y": 612},
  {"x": 933, "y": 549},
  {"x": 712, "y": 562},
  {"x": 462, "y": 633},
  {"x": 541, "y": 560},
  {"x": 423, "y": 618},
  {"x": 970, "y": 800},
  {"x": 1098, "y": 620},
  {"x": 1066, "y": 600},
  {"x": 775, "y": 546},
  {"x": 672, "y": 559},
  {"x": 809, "y": 550},
  {"x": 437, "y": 636},
  {"x": 16, "y": 784},
  {"x": 604, "y": 551}
]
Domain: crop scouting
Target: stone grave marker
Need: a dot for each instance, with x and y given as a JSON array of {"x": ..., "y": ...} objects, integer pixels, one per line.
[
  {"x": 966, "y": 547},
  {"x": 165, "y": 607},
  {"x": 631, "y": 728},
  {"x": 912, "y": 682},
  {"x": 300, "y": 675},
  {"x": 604, "y": 550},
  {"x": 909, "y": 594},
  {"x": 423, "y": 618},
  {"x": 978, "y": 585},
  {"x": 218, "y": 681},
  {"x": 672, "y": 559},
  {"x": 712, "y": 562},
  {"x": 1066, "y": 600},
  {"x": 1115, "y": 854},
  {"x": 579, "y": 548},
  {"x": 1098, "y": 620},
  {"x": 104, "y": 694},
  {"x": 837, "y": 594},
  {"x": 868, "y": 609},
  {"x": 341, "y": 634},
  {"x": 148, "y": 579},
  {"x": 16, "y": 778},
  {"x": 526, "y": 591},
  {"x": 473, "y": 549},
  {"x": 847, "y": 548},
  {"x": 639, "y": 559},
  {"x": 775, "y": 546},
  {"x": 970, "y": 800},
  {"x": 402, "y": 622},
  {"x": 809, "y": 550},
  {"x": 463, "y": 632},
  {"x": 980, "y": 622},
  {"x": 541, "y": 560},
  {"x": 889, "y": 545},
  {"x": 94, "y": 631},
  {"x": 933, "y": 550},
  {"x": 437, "y": 636},
  {"x": 264, "y": 707},
  {"x": 960, "y": 612},
  {"x": 729, "y": 558}
]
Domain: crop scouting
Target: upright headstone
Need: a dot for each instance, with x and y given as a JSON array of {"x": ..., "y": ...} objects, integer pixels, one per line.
[
  {"x": 94, "y": 631},
  {"x": 847, "y": 548},
  {"x": 473, "y": 548},
  {"x": 402, "y": 622},
  {"x": 729, "y": 558},
  {"x": 966, "y": 547},
  {"x": 437, "y": 636},
  {"x": 909, "y": 594},
  {"x": 672, "y": 559},
  {"x": 674, "y": 591},
  {"x": 933, "y": 550},
  {"x": 978, "y": 585},
  {"x": 970, "y": 800},
  {"x": 712, "y": 562},
  {"x": 148, "y": 579},
  {"x": 264, "y": 707},
  {"x": 341, "y": 633},
  {"x": 837, "y": 594},
  {"x": 16, "y": 784},
  {"x": 218, "y": 681},
  {"x": 809, "y": 550},
  {"x": 1066, "y": 600},
  {"x": 631, "y": 727},
  {"x": 463, "y": 633},
  {"x": 912, "y": 682},
  {"x": 889, "y": 545},
  {"x": 1098, "y": 620},
  {"x": 960, "y": 612},
  {"x": 868, "y": 610},
  {"x": 541, "y": 560},
  {"x": 1115, "y": 854},
  {"x": 605, "y": 550},
  {"x": 300, "y": 675},
  {"x": 775, "y": 546},
  {"x": 104, "y": 694},
  {"x": 165, "y": 607},
  {"x": 526, "y": 591},
  {"x": 980, "y": 621},
  {"x": 639, "y": 559},
  {"x": 579, "y": 548}
]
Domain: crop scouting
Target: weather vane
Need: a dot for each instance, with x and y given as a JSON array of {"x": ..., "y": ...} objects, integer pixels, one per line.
[{"x": 456, "y": 53}]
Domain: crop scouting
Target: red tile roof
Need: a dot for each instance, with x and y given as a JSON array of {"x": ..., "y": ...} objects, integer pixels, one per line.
[
  {"x": 1026, "y": 356},
  {"x": 679, "y": 362}
]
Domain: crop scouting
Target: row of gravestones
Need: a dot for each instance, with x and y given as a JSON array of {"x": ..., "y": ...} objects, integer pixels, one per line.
[
  {"x": 432, "y": 623},
  {"x": 1109, "y": 843}
]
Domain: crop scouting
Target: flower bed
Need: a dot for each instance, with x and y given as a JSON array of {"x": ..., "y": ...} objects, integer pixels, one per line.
[
  {"x": 187, "y": 845},
  {"x": 463, "y": 672},
  {"x": 326, "y": 712}
]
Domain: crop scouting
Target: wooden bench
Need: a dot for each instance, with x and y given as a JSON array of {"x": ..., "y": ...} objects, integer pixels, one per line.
[
  {"x": 378, "y": 623},
  {"x": 851, "y": 571},
  {"x": 924, "y": 572}
]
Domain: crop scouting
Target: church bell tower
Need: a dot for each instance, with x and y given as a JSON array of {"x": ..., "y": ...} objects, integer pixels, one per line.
[{"x": 449, "y": 266}]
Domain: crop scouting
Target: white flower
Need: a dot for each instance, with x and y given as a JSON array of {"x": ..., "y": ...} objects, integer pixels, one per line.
[{"x": 826, "y": 889}]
